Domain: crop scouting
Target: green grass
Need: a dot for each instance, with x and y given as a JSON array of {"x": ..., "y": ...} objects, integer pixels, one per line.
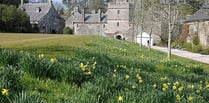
[{"x": 65, "y": 80}]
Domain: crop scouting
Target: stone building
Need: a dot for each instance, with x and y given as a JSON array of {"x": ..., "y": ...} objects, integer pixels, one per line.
[
  {"x": 199, "y": 25},
  {"x": 43, "y": 17},
  {"x": 116, "y": 22}
]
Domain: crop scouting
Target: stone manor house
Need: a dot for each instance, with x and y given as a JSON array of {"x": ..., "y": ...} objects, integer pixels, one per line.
[
  {"x": 44, "y": 18},
  {"x": 116, "y": 22}
]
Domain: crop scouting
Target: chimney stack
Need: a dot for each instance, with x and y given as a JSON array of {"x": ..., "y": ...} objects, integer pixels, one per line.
[{"x": 21, "y": 2}]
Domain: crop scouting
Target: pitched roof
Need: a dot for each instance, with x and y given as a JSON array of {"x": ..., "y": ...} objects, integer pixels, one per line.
[
  {"x": 89, "y": 18},
  {"x": 31, "y": 10},
  {"x": 202, "y": 14}
]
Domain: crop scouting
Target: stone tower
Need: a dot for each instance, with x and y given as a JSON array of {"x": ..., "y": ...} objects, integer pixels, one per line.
[{"x": 118, "y": 20}]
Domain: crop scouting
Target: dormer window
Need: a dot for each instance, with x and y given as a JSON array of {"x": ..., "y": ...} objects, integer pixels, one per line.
[{"x": 38, "y": 9}]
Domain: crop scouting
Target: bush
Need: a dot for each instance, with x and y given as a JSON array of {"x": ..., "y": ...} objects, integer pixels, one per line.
[
  {"x": 67, "y": 30},
  {"x": 197, "y": 49},
  {"x": 196, "y": 40}
]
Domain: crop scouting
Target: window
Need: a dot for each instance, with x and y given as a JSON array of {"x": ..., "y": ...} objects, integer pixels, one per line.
[
  {"x": 118, "y": 11},
  {"x": 118, "y": 24}
]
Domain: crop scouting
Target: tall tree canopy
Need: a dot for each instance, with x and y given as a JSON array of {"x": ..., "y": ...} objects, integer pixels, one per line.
[
  {"x": 13, "y": 19},
  {"x": 12, "y": 2}
]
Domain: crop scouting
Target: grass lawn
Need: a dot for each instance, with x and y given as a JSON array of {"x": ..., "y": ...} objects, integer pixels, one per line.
[{"x": 86, "y": 69}]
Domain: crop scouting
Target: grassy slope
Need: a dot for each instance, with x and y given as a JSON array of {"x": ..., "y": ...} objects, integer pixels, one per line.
[
  {"x": 66, "y": 45},
  {"x": 118, "y": 52}
]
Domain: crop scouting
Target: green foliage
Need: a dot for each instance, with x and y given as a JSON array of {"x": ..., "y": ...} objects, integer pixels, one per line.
[
  {"x": 13, "y": 19},
  {"x": 100, "y": 71},
  {"x": 197, "y": 49},
  {"x": 68, "y": 30},
  {"x": 196, "y": 40}
]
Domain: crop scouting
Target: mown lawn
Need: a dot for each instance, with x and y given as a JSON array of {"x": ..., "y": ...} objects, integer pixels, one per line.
[{"x": 95, "y": 69}]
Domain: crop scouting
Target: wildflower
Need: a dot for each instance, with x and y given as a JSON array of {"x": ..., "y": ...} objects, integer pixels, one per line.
[
  {"x": 190, "y": 98},
  {"x": 174, "y": 87},
  {"x": 163, "y": 78},
  {"x": 154, "y": 85},
  {"x": 178, "y": 97},
  {"x": 165, "y": 85},
  {"x": 4, "y": 91},
  {"x": 115, "y": 70},
  {"x": 198, "y": 91},
  {"x": 88, "y": 73},
  {"x": 133, "y": 86},
  {"x": 53, "y": 60},
  {"x": 120, "y": 98},
  {"x": 176, "y": 83},
  {"x": 114, "y": 75},
  {"x": 181, "y": 89},
  {"x": 140, "y": 81},
  {"x": 164, "y": 89},
  {"x": 190, "y": 86},
  {"x": 40, "y": 55},
  {"x": 127, "y": 76},
  {"x": 207, "y": 85}
]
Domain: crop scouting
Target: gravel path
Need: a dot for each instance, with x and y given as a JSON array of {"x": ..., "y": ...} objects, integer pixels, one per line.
[{"x": 185, "y": 54}]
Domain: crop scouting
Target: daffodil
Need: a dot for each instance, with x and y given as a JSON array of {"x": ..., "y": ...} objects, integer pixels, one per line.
[
  {"x": 174, "y": 87},
  {"x": 198, "y": 91},
  {"x": 207, "y": 85},
  {"x": 176, "y": 83},
  {"x": 53, "y": 60},
  {"x": 140, "y": 81},
  {"x": 154, "y": 85},
  {"x": 127, "y": 76},
  {"x": 40, "y": 55},
  {"x": 178, "y": 97},
  {"x": 120, "y": 98},
  {"x": 114, "y": 75},
  {"x": 165, "y": 85},
  {"x": 190, "y": 98},
  {"x": 181, "y": 89},
  {"x": 133, "y": 86},
  {"x": 88, "y": 73},
  {"x": 4, "y": 91}
]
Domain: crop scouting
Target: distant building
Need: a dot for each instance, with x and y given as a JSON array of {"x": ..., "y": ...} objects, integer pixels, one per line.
[
  {"x": 43, "y": 17},
  {"x": 116, "y": 22},
  {"x": 199, "y": 25}
]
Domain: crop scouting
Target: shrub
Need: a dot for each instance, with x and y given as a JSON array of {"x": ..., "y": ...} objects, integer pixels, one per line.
[
  {"x": 67, "y": 30},
  {"x": 197, "y": 49},
  {"x": 196, "y": 40}
]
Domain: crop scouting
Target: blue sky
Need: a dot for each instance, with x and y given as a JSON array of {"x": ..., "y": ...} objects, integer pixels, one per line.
[{"x": 57, "y": 0}]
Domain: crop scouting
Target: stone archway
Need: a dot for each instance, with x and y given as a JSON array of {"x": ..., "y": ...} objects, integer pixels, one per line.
[{"x": 119, "y": 36}]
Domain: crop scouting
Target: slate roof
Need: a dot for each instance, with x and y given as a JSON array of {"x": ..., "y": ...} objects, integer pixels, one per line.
[
  {"x": 90, "y": 18},
  {"x": 30, "y": 9},
  {"x": 202, "y": 14}
]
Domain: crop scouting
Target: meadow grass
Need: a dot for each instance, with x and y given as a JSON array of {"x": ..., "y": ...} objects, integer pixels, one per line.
[{"x": 86, "y": 69}]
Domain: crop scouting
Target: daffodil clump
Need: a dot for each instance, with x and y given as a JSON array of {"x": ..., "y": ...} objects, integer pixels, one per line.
[{"x": 4, "y": 91}]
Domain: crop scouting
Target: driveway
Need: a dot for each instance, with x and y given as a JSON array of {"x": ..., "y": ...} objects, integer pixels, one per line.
[{"x": 185, "y": 54}]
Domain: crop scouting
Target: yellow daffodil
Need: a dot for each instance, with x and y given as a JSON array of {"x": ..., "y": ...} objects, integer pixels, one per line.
[
  {"x": 198, "y": 91},
  {"x": 133, "y": 86},
  {"x": 154, "y": 85},
  {"x": 181, "y": 89},
  {"x": 164, "y": 89},
  {"x": 140, "y": 81},
  {"x": 207, "y": 85},
  {"x": 165, "y": 85},
  {"x": 114, "y": 75},
  {"x": 120, "y": 98},
  {"x": 178, "y": 97},
  {"x": 190, "y": 98},
  {"x": 174, "y": 87},
  {"x": 53, "y": 60},
  {"x": 40, "y": 55},
  {"x": 4, "y": 91},
  {"x": 190, "y": 86},
  {"x": 88, "y": 73},
  {"x": 127, "y": 76},
  {"x": 115, "y": 70},
  {"x": 176, "y": 83}
]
